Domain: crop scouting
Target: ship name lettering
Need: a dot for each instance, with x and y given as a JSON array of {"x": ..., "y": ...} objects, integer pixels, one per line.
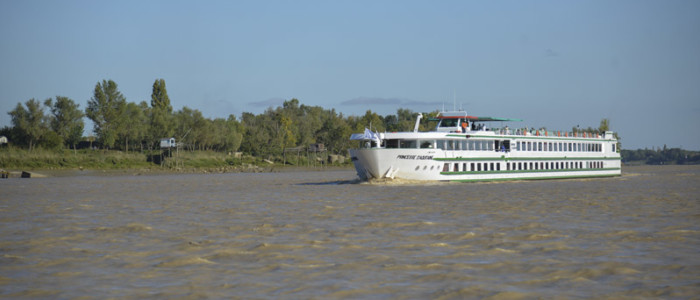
[{"x": 421, "y": 157}]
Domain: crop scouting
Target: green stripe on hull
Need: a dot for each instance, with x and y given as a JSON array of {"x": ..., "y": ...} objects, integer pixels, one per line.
[{"x": 534, "y": 178}]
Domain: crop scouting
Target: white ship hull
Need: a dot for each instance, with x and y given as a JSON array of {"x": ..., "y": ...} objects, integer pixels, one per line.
[{"x": 485, "y": 156}]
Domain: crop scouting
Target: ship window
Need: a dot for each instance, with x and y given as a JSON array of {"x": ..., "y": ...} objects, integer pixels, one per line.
[
  {"x": 539, "y": 146},
  {"x": 529, "y": 146},
  {"x": 426, "y": 144},
  {"x": 450, "y": 145},
  {"x": 472, "y": 167},
  {"x": 407, "y": 144},
  {"x": 507, "y": 166},
  {"x": 498, "y": 166},
  {"x": 464, "y": 167},
  {"x": 613, "y": 147},
  {"x": 448, "y": 123},
  {"x": 456, "y": 167},
  {"x": 392, "y": 143},
  {"x": 478, "y": 167},
  {"x": 490, "y": 143},
  {"x": 550, "y": 146},
  {"x": 464, "y": 145},
  {"x": 441, "y": 144},
  {"x": 446, "y": 167},
  {"x": 520, "y": 166}
]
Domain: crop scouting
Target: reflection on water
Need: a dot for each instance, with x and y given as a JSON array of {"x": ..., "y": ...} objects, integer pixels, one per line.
[{"x": 323, "y": 234}]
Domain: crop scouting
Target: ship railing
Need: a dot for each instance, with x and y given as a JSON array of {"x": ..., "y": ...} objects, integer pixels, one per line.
[{"x": 544, "y": 132}]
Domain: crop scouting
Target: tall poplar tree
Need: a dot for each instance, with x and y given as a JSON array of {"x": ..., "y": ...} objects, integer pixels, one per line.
[
  {"x": 161, "y": 112},
  {"x": 106, "y": 109}
]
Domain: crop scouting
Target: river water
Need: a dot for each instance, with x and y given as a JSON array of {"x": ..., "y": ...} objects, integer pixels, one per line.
[{"x": 323, "y": 235}]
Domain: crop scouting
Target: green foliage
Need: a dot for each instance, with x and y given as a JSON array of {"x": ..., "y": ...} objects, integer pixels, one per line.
[
  {"x": 161, "y": 112},
  {"x": 106, "y": 110},
  {"x": 58, "y": 159},
  {"x": 66, "y": 120},
  {"x": 30, "y": 123}
]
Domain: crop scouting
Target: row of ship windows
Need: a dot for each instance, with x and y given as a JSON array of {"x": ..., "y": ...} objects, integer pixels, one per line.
[
  {"x": 513, "y": 166},
  {"x": 559, "y": 146},
  {"x": 494, "y": 145}
]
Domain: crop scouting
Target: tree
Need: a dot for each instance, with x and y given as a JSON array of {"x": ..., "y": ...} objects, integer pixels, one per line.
[
  {"x": 161, "y": 111},
  {"x": 66, "y": 120},
  {"x": 135, "y": 130},
  {"x": 106, "y": 109},
  {"x": 30, "y": 122}
]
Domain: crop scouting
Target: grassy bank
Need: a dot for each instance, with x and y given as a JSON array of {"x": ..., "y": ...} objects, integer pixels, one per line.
[{"x": 184, "y": 161}]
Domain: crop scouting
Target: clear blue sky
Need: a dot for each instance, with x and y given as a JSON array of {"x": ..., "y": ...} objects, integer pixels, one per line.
[{"x": 556, "y": 64}]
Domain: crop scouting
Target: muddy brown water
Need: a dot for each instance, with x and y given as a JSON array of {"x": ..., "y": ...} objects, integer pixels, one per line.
[{"x": 307, "y": 235}]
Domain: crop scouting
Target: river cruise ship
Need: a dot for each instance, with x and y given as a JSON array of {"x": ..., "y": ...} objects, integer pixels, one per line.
[{"x": 461, "y": 148}]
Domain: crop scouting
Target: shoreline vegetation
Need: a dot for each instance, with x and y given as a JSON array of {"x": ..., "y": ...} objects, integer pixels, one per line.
[{"x": 93, "y": 162}]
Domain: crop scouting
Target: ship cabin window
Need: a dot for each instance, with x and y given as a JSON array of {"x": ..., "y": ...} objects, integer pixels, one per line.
[
  {"x": 550, "y": 146},
  {"x": 502, "y": 146},
  {"x": 472, "y": 167},
  {"x": 407, "y": 144},
  {"x": 517, "y": 145},
  {"x": 448, "y": 123},
  {"x": 490, "y": 143},
  {"x": 392, "y": 143},
  {"x": 440, "y": 144},
  {"x": 539, "y": 146},
  {"x": 613, "y": 148},
  {"x": 451, "y": 145},
  {"x": 426, "y": 144},
  {"x": 529, "y": 146}
]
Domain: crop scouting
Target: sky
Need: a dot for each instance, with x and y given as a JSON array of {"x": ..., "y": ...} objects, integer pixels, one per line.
[{"x": 554, "y": 64}]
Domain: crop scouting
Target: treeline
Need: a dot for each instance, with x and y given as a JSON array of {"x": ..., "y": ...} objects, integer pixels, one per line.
[
  {"x": 129, "y": 126},
  {"x": 118, "y": 124},
  {"x": 662, "y": 156}
]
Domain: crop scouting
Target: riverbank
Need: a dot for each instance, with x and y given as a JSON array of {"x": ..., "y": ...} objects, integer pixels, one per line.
[{"x": 110, "y": 162}]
